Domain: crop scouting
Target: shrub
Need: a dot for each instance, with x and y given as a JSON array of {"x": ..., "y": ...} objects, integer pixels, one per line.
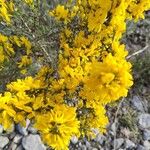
[{"x": 66, "y": 95}]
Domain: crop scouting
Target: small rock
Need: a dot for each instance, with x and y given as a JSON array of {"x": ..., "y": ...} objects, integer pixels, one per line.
[
  {"x": 144, "y": 121},
  {"x": 118, "y": 142},
  {"x": 88, "y": 144},
  {"x": 23, "y": 130},
  {"x": 146, "y": 135},
  {"x": 14, "y": 146},
  {"x": 100, "y": 138},
  {"x": 129, "y": 144},
  {"x": 17, "y": 139},
  {"x": 3, "y": 141},
  {"x": 113, "y": 127},
  {"x": 32, "y": 130},
  {"x": 12, "y": 135},
  {"x": 137, "y": 103},
  {"x": 140, "y": 147},
  {"x": 146, "y": 145},
  {"x": 74, "y": 140},
  {"x": 20, "y": 147},
  {"x": 32, "y": 142},
  {"x": 83, "y": 147},
  {"x": 94, "y": 149},
  {"x": 1, "y": 129}
]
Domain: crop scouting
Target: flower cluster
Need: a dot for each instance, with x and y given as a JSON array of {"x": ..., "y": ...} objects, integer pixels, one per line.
[
  {"x": 6, "y": 9},
  {"x": 92, "y": 71},
  {"x": 10, "y": 45}
]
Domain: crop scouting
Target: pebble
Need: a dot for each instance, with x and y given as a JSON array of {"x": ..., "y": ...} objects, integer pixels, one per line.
[
  {"x": 129, "y": 144},
  {"x": 14, "y": 146},
  {"x": 146, "y": 134},
  {"x": 20, "y": 147},
  {"x": 146, "y": 145},
  {"x": 144, "y": 121},
  {"x": 137, "y": 103},
  {"x": 74, "y": 140},
  {"x": 32, "y": 130},
  {"x": 83, "y": 147},
  {"x": 17, "y": 139},
  {"x": 88, "y": 144},
  {"x": 23, "y": 130},
  {"x": 118, "y": 142},
  {"x": 12, "y": 135},
  {"x": 140, "y": 147},
  {"x": 100, "y": 138},
  {"x": 94, "y": 149},
  {"x": 3, "y": 141},
  {"x": 32, "y": 142}
]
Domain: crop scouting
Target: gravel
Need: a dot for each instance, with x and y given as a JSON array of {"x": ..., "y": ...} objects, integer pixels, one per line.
[
  {"x": 144, "y": 121},
  {"x": 3, "y": 141},
  {"x": 137, "y": 103},
  {"x": 146, "y": 134},
  {"x": 129, "y": 144},
  {"x": 74, "y": 140},
  {"x": 33, "y": 142},
  {"x": 17, "y": 139},
  {"x": 118, "y": 142}
]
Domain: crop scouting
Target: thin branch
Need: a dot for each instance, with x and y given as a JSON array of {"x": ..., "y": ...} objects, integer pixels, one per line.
[
  {"x": 138, "y": 52},
  {"x": 45, "y": 51},
  {"x": 26, "y": 25}
]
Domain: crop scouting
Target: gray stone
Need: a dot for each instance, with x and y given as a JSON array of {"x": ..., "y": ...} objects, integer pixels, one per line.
[
  {"x": 129, "y": 144},
  {"x": 74, "y": 140},
  {"x": 12, "y": 135},
  {"x": 1, "y": 129},
  {"x": 83, "y": 147},
  {"x": 137, "y": 103},
  {"x": 146, "y": 134},
  {"x": 32, "y": 142},
  {"x": 3, "y": 141},
  {"x": 23, "y": 130},
  {"x": 118, "y": 142},
  {"x": 100, "y": 138},
  {"x": 17, "y": 139},
  {"x": 140, "y": 147},
  {"x": 88, "y": 144},
  {"x": 144, "y": 121},
  {"x": 113, "y": 127},
  {"x": 20, "y": 147},
  {"x": 146, "y": 145},
  {"x": 14, "y": 146},
  {"x": 32, "y": 130}
]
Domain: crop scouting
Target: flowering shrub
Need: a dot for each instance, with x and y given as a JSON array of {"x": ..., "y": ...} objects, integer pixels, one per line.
[{"x": 91, "y": 71}]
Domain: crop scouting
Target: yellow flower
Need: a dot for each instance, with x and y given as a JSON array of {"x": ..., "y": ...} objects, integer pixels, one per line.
[
  {"x": 27, "y": 44},
  {"x": 30, "y": 2},
  {"x": 25, "y": 61},
  {"x": 60, "y": 13},
  {"x": 106, "y": 79},
  {"x": 58, "y": 126},
  {"x": 6, "y": 9}
]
